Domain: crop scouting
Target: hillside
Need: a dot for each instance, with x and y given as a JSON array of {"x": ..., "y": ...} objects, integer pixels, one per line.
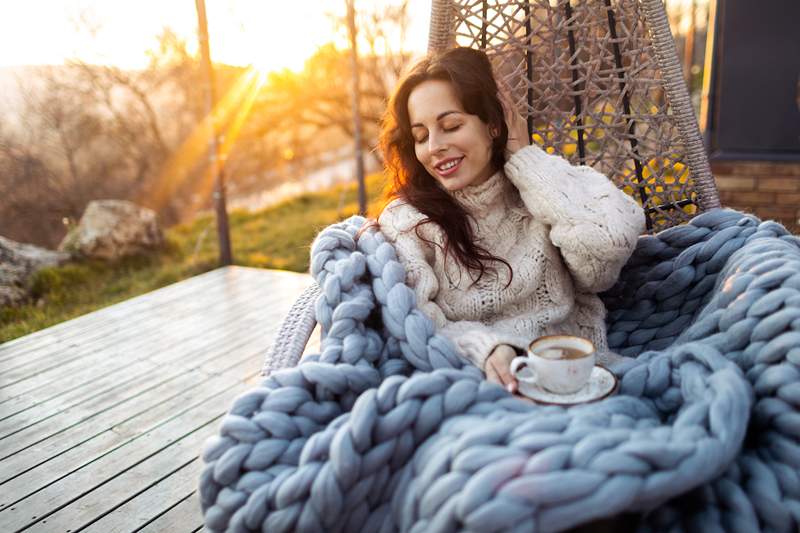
[{"x": 277, "y": 237}]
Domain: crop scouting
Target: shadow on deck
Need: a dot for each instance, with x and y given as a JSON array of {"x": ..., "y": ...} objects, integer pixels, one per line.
[{"x": 102, "y": 418}]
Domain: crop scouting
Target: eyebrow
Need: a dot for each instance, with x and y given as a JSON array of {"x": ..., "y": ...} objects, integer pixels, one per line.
[{"x": 438, "y": 118}]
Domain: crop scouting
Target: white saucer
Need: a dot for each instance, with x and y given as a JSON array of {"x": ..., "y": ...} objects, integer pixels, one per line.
[{"x": 602, "y": 383}]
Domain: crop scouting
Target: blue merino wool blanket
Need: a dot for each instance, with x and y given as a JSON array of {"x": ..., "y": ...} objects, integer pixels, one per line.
[{"x": 389, "y": 429}]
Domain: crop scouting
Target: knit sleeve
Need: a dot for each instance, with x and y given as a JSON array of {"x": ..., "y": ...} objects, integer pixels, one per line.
[
  {"x": 593, "y": 223},
  {"x": 474, "y": 340}
]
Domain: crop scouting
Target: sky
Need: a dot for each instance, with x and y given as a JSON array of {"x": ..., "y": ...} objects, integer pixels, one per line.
[{"x": 34, "y": 32}]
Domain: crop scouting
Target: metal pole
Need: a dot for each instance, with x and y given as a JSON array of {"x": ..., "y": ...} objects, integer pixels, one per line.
[
  {"x": 351, "y": 27},
  {"x": 223, "y": 232}
]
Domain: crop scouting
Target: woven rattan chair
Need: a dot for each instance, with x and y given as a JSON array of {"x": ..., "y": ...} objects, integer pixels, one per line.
[{"x": 600, "y": 83}]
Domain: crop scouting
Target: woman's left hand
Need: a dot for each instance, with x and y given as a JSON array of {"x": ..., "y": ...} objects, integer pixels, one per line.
[{"x": 517, "y": 126}]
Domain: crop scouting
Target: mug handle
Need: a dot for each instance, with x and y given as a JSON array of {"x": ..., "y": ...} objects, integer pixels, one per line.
[{"x": 519, "y": 361}]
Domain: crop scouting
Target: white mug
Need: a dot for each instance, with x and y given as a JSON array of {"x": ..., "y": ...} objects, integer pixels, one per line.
[{"x": 558, "y": 363}]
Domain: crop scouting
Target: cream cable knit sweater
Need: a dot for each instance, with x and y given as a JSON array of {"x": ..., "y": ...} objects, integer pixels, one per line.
[{"x": 565, "y": 230}]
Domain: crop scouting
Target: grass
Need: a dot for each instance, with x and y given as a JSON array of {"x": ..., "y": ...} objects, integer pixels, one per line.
[{"x": 278, "y": 237}]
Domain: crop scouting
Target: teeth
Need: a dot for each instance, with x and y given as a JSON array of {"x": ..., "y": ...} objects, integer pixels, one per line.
[{"x": 449, "y": 164}]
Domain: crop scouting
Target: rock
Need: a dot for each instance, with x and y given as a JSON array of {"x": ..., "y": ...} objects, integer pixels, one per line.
[
  {"x": 111, "y": 229},
  {"x": 18, "y": 262}
]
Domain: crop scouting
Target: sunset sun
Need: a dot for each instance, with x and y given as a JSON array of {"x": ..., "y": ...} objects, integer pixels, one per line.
[{"x": 266, "y": 36}]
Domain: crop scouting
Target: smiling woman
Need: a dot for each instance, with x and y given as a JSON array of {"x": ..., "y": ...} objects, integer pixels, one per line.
[
  {"x": 501, "y": 242},
  {"x": 455, "y": 147}
]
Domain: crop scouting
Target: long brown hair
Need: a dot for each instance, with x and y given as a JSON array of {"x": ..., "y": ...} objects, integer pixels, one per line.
[{"x": 470, "y": 73}]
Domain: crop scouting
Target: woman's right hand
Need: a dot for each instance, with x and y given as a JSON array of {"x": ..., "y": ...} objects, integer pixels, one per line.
[{"x": 498, "y": 365}]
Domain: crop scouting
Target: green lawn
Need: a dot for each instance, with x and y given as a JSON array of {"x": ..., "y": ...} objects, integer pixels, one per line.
[{"x": 278, "y": 237}]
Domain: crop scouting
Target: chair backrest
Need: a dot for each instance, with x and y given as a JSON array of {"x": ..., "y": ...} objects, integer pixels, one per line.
[{"x": 600, "y": 83}]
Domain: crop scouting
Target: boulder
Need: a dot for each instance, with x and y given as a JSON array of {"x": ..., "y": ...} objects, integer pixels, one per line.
[
  {"x": 111, "y": 229},
  {"x": 18, "y": 262}
]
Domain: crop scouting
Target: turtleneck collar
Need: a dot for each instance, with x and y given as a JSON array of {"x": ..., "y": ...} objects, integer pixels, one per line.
[{"x": 481, "y": 199}]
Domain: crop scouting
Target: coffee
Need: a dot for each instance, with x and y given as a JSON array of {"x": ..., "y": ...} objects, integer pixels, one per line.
[
  {"x": 558, "y": 363},
  {"x": 572, "y": 353},
  {"x": 558, "y": 352}
]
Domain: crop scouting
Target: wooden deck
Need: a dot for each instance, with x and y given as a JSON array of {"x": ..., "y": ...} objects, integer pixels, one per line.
[{"x": 103, "y": 418}]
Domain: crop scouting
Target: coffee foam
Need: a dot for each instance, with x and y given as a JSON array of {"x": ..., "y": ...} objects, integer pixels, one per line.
[{"x": 550, "y": 353}]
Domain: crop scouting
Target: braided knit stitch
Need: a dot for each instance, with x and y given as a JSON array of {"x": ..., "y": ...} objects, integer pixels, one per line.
[
  {"x": 732, "y": 283},
  {"x": 390, "y": 429}
]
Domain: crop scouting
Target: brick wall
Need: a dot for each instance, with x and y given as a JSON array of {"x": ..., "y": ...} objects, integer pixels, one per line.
[{"x": 768, "y": 190}]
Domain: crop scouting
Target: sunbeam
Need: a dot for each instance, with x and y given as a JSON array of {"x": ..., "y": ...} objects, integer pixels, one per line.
[{"x": 237, "y": 103}]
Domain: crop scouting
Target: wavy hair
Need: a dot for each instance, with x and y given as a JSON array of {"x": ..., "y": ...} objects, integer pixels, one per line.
[{"x": 470, "y": 73}]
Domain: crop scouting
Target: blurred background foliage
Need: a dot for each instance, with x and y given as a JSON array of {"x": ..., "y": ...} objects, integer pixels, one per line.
[{"x": 85, "y": 131}]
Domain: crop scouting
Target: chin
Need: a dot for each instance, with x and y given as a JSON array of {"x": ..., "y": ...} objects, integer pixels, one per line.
[{"x": 455, "y": 185}]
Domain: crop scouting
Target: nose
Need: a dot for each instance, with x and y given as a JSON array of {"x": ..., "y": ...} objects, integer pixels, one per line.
[{"x": 436, "y": 143}]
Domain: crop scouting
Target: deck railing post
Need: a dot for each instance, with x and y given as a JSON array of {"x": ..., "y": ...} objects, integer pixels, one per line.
[{"x": 223, "y": 231}]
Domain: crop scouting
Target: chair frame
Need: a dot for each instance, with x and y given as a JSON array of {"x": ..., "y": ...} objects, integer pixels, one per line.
[{"x": 620, "y": 36}]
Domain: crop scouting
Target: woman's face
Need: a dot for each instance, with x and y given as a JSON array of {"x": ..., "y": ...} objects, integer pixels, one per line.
[{"x": 453, "y": 146}]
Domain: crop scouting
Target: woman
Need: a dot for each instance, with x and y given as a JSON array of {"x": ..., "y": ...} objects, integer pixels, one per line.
[{"x": 501, "y": 242}]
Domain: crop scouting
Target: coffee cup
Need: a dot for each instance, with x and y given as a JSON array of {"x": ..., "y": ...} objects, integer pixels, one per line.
[{"x": 561, "y": 364}]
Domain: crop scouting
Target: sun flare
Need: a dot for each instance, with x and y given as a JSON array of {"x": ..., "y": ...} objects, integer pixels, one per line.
[{"x": 271, "y": 36}]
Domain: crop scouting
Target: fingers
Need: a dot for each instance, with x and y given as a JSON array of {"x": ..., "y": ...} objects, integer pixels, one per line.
[
  {"x": 510, "y": 114},
  {"x": 498, "y": 372},
  {"x": 510, "y": 111},
  {"x": 509, "y": 381},
  {"x": 515, "y": 123},
  {"x": 505, "y": 100}
]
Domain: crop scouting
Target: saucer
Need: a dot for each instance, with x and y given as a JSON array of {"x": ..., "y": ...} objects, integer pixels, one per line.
[{"x": 602, "y": 383}]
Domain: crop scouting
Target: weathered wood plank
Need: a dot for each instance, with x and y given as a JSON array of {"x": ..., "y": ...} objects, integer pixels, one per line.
[
  {"x": 120, "y": 473},
  {"x": 116, "y": 368},
  {"x": 118, "y": 353},
  {"x": 196, "y": 346},
  {"x": 77, "y": 328},
  {"x": 153, "y": 501},
  {"x": 196, "y": 349},
  {"x": 184, "y": 516},
  {"x": 121, "y": 334},
  {"x": 95, "y": 415},
  {"x": 169, "y": 321},
  {"x": 127, "y": 417},
  {"x": 120, "y": 463},
  {"x": 88, "y": 338},
  {"x": 127, "y": 317},
  {"x": 41, "y": 410}
]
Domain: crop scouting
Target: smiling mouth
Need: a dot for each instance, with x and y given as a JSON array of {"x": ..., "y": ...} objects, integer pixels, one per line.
[{"x": 449, "y": 166}]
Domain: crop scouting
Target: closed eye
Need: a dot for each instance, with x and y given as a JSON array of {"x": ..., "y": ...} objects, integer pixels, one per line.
[{"x": 420, "y": 140}]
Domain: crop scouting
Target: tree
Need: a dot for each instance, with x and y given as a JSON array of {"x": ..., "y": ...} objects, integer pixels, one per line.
[
  {"x": 318, "y": 98},
  {"x": 96, "y": 131},
  {"x": 57, "y": 163}
]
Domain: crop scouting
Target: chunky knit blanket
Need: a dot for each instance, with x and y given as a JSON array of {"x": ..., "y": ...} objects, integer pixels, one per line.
[{"x": 390, "y": 429}]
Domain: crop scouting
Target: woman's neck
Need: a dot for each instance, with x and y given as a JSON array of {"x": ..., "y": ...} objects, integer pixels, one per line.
[{"x": 481, "y": 199}]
